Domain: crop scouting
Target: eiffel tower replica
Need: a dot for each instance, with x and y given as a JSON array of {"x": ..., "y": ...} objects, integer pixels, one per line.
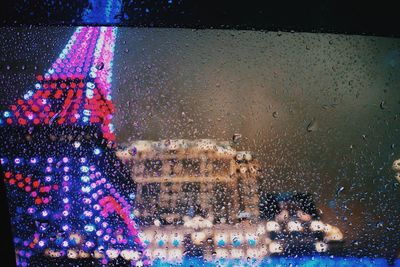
[{"x": 69, "y": 198}]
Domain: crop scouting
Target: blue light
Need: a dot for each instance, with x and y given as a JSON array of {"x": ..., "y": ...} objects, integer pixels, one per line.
[
  {"x": 221, "y": 243},
  {"x": 90, "y": 85},
  {"x": 86, "y": 189},
  {"x": 89, "y": 93},
  {"x": 252, "y": 242},
  {"x": 84, "y": 168},
  {"x": 175, "y": 243},
  {"x": 97, "y": 151},
  {"x": 236, "y": 242},
  {"x": 7, "y": 114},
  {"x": 85, "y": 179},
  {"x": 89, "y": 228}
]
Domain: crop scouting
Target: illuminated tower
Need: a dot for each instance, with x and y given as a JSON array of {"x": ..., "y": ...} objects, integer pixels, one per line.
[{"x": 68, "y": 193}]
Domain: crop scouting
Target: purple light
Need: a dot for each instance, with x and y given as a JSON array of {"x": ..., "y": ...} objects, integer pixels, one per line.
[
  {"x": 31, "y": 210},
  {"x": 90, "y": 52}
]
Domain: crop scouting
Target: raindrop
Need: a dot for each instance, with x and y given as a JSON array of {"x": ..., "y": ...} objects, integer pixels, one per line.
[
  {"x": 312, "y": 126},
  {"x": 236, "y": 138},
  {"x": 133, "y": 151},
  {"x": 275, "y": 114},
  {"x": 340, "y": 190},
  {"x": 382, "y": 104},
  {"x": 100, "y": 66}
]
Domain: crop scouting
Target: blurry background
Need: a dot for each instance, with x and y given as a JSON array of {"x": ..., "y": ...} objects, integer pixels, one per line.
[{"x": 320, "y": 111}]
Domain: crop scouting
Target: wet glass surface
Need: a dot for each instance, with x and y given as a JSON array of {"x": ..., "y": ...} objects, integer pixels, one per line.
[{"x": 318, "y": 112}]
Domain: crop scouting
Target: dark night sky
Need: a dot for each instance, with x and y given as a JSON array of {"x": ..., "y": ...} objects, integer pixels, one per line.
[{"x": 329, "y": 130}]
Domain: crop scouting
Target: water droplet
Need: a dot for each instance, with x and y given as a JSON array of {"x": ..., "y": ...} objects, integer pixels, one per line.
[
  {"x": 312, "y": 126},
  {"x": 236, "y": 138},
  {"x": 275, "y": 114},
  {"x": 100, "y": 66},
  {"x": 382, "y": 104},
  {"x": 340, "y": 190}
]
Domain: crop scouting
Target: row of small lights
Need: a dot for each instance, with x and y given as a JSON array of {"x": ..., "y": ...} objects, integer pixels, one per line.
[{"x": 103, "y": 50}]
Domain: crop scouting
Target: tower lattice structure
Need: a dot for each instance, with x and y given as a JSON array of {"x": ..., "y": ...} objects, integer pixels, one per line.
[{"x": 68, "y": 192}]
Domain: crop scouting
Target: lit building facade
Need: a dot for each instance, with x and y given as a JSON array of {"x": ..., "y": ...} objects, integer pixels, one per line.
[{"x": 201, "y": 198}]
